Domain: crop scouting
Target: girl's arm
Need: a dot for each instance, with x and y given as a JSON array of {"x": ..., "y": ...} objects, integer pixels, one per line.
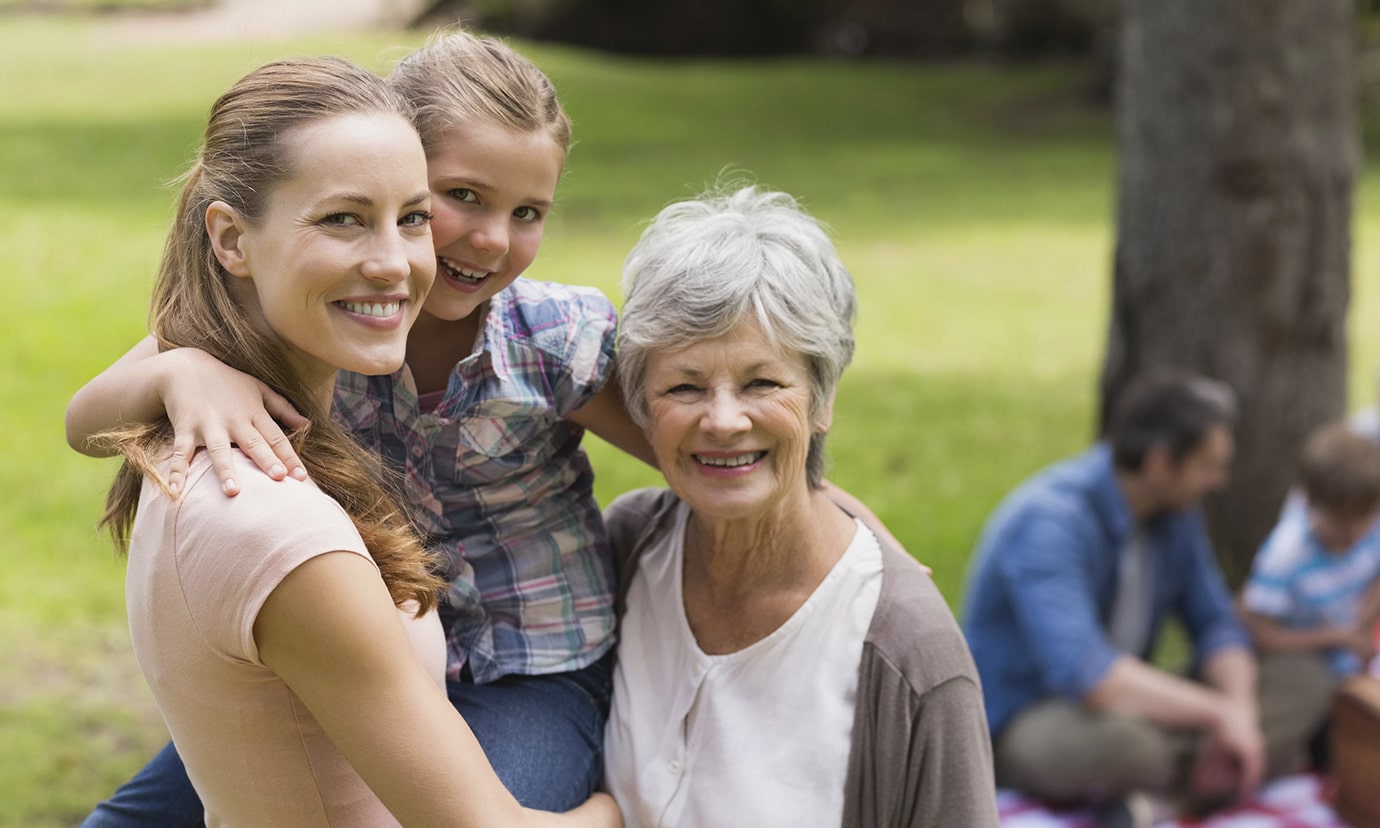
[
  {"x": 331, "y": 632},
  {"x": 208, "y": 403},
  {"x": 607, "y": 416}
]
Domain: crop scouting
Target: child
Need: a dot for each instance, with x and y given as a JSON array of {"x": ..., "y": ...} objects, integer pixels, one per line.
[
  {"x": 501, "y": 379},
  {"x": 1311, "y": 588},
  {"x": 289, "y": 636}
]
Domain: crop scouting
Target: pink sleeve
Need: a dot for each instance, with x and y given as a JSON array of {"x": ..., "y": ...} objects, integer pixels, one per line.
[{"x": 232, "y": 552}]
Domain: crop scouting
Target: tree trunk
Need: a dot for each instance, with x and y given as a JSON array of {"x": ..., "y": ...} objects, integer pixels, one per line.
[{"x": 1238, "y": 156}]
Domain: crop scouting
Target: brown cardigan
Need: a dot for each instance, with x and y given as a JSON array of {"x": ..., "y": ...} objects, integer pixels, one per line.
[{"x": 921, "y": 754}]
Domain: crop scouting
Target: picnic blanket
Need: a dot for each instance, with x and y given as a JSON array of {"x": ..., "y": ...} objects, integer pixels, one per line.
[{"x": 1289, "y": 802}]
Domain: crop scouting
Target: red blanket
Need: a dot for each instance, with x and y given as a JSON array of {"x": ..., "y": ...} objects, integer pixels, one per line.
[{"x": 1290, "y": 802}]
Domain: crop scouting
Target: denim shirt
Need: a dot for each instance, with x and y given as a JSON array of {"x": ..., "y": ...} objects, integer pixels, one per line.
[{"x": 1042, "y": 583}]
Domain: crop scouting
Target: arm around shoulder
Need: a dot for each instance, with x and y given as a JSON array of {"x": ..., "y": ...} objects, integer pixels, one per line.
[{"x": 126, "y": 392}]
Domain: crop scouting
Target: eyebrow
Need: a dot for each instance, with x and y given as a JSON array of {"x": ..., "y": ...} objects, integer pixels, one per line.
[
  {"x": 360, "y": 198},
  {"x": 756, "y": 367}
]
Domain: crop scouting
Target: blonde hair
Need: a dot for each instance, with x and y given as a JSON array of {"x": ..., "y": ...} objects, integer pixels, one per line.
[
  {"x": 246, "y": 152},
  {"x": 458, "y": 77}
]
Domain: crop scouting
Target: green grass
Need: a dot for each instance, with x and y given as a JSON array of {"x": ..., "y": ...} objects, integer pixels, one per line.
[{"x": 972, "y": 204}]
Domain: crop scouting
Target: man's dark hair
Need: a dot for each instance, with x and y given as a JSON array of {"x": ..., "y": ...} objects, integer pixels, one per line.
[{"x": 1175, "y": 410}]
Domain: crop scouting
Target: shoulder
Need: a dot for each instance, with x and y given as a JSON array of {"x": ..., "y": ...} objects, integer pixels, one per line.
[
  {"x": 272, "y": 518},
  {"x": 529, "y": 306},
  {"x": 913, "y": 634},
  {"x": 1074, "y": 490},
  {"x": 1288, "y": 544},
  {"x": 635, "y": 517}
]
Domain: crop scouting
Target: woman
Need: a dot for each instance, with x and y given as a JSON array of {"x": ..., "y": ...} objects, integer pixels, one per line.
[
  {"x": 776, "y": 665},
  {"x": 289, "y": 635}
]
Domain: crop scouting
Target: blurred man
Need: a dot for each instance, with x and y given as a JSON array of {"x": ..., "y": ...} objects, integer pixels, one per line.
[{"x": 1074, "y": 577}]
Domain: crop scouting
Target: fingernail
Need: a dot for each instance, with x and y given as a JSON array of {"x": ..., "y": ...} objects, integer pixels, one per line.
[
  {"x": 174, "y": 487},
  {"x": 230, "y": 486},
  {"x": 299, "y": 473},
  {"x": 277, "y": 472}
]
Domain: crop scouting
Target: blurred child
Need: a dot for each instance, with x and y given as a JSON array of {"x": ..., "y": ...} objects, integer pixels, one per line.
[{"x": 1312, "y": 588}]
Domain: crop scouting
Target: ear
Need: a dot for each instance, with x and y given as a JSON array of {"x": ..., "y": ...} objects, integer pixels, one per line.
[
  {"x": 1157, "y": 463},
  {"x": 825, "y": 420},
  {"x": 225, "y": 228}
]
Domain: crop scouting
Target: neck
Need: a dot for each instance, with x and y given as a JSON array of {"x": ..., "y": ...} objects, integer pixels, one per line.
[
  {"x": 323, "y": 391},
  {"x": 745, "y": 556},
  {"x": 435, "y": 345},
  {"x": 743, "y": 579},
  {"x": 1140, "y": 499}
]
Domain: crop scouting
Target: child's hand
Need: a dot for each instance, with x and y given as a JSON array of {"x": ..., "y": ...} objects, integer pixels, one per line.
[
  {"x": 1362, "y": 643},
  {"x": 211, "y": 404}
]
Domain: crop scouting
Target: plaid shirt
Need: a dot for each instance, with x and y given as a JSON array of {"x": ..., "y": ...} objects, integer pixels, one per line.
[{"x": 499, "y": 484}]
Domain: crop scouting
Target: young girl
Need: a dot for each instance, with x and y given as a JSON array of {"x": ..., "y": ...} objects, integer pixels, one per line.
[
  {"x": 288, "y": 635},
  {"x": 502, "y": 376}
]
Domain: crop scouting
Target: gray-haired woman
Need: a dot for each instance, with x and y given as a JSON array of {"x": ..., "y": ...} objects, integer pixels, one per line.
[{"x": 778, "y": 665}]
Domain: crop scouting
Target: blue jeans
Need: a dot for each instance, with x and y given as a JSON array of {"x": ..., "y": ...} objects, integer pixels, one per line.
[{"x": 544, "y": 736}]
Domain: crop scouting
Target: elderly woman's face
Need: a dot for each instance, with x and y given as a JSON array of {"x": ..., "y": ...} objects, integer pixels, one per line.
[{"x": 730, "y": 422}]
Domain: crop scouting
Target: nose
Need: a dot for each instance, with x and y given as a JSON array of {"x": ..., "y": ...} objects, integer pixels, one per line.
[
  {"x": 387, "y": 260},
  {"x": 491, "y": 234},
  {"x": 725, "y": 415}
]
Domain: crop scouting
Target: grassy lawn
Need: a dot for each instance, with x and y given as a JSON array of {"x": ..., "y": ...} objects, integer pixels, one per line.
[{"x": 972, "y": 204}]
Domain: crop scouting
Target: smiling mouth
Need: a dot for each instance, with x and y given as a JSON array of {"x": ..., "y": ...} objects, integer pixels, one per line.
[
  {"x": 381, "y": 310},
  {"x": 730, "y": 462},
  {"x": 463, "y": 274}
]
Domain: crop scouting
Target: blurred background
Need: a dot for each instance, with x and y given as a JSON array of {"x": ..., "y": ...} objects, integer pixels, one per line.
[{"x": 1037, "y": 198}]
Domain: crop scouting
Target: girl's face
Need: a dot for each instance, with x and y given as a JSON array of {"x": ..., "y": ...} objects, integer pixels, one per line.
[
  {"x": 341, "y": 259},
  {"x": 491, "y": 190}
]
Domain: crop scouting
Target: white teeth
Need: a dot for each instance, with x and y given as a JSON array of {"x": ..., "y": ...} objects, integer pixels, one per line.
[
  {"x": 464, "y": 273},
  {"x": 382, "y": 310},
  {"x": 731, "y": 462}
]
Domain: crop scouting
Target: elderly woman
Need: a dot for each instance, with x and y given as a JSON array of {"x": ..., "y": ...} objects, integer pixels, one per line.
[{"x": 777, "y": 664}]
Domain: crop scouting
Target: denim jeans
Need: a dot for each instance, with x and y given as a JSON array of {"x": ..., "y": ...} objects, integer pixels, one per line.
[{"x": 544, "y": 736}]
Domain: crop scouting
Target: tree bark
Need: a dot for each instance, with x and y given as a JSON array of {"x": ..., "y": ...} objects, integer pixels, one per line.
[{"x": 1239, "y": 152}]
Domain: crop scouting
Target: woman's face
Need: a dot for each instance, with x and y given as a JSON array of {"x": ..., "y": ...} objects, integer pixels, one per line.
[
  {"x": 341, "y": 259},
  {"x": 730, "y": 423},
  {"x": 492, "y": 189}
]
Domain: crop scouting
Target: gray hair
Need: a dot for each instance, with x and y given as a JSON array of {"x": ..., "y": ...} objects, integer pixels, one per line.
[{"x": 703, "y": 265}]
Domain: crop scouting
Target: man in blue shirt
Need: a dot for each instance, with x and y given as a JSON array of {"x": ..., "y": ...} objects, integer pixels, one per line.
[{"x": 1073, "y": 579}]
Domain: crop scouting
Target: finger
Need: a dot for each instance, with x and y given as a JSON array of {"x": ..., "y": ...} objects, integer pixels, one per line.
[
  {"x": 278, "y": 406},
  {"x": 182, "y": 450},
  {"x": 252, "y": 443},
  {"x": 223, "y": 461},
  {"x": 278, "y": 442}
]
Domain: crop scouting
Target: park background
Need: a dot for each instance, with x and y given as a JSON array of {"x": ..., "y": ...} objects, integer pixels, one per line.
[{"x": 972, "y": 198}]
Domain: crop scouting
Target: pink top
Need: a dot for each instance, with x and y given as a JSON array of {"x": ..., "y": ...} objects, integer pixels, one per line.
[{"x": 200, "y": 568}]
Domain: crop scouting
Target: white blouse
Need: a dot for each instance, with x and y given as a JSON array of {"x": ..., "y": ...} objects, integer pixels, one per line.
[{"x": 755, "y": 738}]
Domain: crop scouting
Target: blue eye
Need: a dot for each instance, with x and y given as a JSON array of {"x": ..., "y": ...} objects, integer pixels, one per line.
[
  {"x": 420, "y": 218},
  {"x": 341, "y": 219}
]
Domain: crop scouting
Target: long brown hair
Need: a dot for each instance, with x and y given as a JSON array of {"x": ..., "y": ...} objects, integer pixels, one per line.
[{"x": 244, "y": 155}]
